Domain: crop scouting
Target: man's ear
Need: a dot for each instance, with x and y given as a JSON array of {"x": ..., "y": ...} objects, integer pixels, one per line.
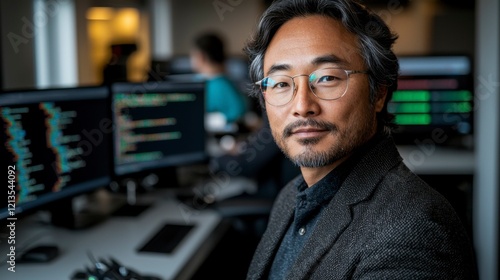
[{"x": 380, "y": 99}]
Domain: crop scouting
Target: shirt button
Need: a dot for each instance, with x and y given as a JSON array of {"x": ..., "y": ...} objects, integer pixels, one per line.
[{"x": 302, "y": 231}]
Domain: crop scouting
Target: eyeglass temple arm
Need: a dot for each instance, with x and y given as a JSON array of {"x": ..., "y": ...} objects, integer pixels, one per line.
[{"x": 349, "y": 72}]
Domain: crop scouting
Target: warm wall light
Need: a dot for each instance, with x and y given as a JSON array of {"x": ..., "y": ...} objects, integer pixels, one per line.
[
  {"x": 100, "y": 13},
  {"x": 107, "y": 26},
  {"x": 125, "y": 24}
]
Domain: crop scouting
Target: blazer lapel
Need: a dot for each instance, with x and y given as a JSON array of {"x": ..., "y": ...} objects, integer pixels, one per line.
[
  {"x": 336, "y": 217},
  {"x": 276, "y": 228}
]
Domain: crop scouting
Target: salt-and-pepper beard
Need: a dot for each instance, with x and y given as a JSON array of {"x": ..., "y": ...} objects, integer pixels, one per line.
[{"x": 312, "y": 159}]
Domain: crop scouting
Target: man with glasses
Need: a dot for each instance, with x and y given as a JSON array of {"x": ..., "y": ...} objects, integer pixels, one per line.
[{"x": 324, "y": 70}]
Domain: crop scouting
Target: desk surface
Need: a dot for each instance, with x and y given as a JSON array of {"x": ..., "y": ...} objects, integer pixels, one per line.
[{"x": 120, "y": 238}]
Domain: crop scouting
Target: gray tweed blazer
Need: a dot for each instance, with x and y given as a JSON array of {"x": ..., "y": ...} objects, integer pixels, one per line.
[{"x": 383, "y": 223}]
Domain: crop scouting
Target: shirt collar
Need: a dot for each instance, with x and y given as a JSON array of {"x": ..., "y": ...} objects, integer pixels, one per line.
[{"x": 324, "y": 190}]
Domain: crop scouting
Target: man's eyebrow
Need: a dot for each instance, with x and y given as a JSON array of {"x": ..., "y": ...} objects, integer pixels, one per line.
[
  {"x": 330, "y": 58},
  {"x": 278, "y": 67}
]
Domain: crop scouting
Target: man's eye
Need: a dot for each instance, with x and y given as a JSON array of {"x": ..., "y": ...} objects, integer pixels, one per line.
[
  {"x": 325, "y": 79},
  {"x": 280, "y": 85}
]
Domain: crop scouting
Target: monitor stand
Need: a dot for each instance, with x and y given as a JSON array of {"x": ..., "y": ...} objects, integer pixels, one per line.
[{"x": 131, "y": 208}]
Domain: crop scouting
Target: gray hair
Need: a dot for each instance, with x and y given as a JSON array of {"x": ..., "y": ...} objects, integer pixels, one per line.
[{"x": 374, "y": 36}]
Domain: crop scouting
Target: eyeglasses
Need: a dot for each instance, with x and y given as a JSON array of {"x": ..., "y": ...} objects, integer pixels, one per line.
[{"x": 326, "y": 84}]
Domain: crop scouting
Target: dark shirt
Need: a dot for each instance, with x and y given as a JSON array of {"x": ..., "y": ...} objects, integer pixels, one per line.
[{"x": 309, "y": 205}]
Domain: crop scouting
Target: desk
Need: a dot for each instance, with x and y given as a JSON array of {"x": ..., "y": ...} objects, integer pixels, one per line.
[{"x": 120, "y": 237}]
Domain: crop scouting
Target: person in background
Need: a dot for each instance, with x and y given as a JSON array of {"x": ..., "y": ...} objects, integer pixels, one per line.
[
  {"x": 208, "y": 59},
  {"x": 325, "y": 71},
  {"x": 116, "y": 69}
]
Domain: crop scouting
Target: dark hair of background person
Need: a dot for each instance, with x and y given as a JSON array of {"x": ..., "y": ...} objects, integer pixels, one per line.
[
  {"x": 374, "y": 37},
  {"x": 212, "y": 46}
]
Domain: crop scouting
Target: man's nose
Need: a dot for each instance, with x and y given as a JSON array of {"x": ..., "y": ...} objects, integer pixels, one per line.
[{"x": 305, "y": 103}]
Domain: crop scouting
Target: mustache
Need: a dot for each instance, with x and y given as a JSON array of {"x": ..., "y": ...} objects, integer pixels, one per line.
[{"x": 287, "y": 131}]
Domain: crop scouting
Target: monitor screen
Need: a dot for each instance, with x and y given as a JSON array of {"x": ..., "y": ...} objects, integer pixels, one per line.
[
  {"x": 55, "y": 144},
  {"x": 434, "y": 92},
  {"x": 158, "y": 125}
]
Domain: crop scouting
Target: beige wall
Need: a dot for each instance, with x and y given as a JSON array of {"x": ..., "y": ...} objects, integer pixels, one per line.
[
  {"x": 18, "y": 68},
  {"x": 413, "y": 24},
  {"x": 234, "y": 19},
  {"x": 428, "y": 27},
  {"x": 235, "y": 23}
]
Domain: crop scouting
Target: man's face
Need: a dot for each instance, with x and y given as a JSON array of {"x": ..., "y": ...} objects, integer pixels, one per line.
[{"x": 314, "y": 132}]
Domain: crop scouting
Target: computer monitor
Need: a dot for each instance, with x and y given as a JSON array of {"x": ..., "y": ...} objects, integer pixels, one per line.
[
  {"x": 434, "y": 97},
  {"x": 158, "y": 125},
  {"x": 56, "y": 145}
]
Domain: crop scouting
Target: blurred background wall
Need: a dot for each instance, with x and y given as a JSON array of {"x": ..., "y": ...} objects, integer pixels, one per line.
[{"x": 165, "y": 28}]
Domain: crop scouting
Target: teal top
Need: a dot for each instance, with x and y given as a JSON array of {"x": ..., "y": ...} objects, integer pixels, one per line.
[{"x": 222, "y": 96}]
